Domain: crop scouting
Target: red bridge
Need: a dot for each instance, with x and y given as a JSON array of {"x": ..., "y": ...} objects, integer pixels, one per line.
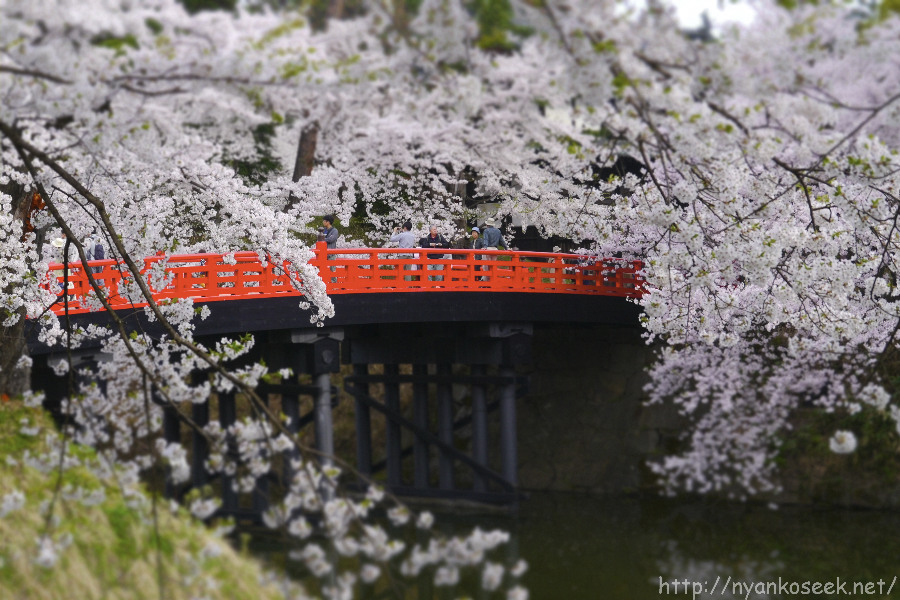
[
  {"x": 210, "y": 277},
  {"x": 471, "y": 329}
]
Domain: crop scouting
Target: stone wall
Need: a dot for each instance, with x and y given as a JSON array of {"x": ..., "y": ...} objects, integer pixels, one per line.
[{"x": 583, "y": 425}]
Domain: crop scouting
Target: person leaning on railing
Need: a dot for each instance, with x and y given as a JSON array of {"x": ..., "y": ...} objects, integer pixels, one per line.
[
  {"x": 434, "y": 240},
  {"x": 493, "y": 239}
]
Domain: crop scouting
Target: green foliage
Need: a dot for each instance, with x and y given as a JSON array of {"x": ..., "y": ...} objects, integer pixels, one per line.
[
  {"x": 792, "y": 4},
  {"x": 319, "y": 11},
  {"x": 495, "y": 23},
  {"x": 867, "y": 476},
  {"x": 195, "y": 6},
  {"x": 119, "y": 44},
  {"x": 154, "y": 26},
  {"x": 604, "y": 46},
  {"x": 620, "y": 83},
  {"x": 888, "y": 8},
  {"x": 256, "y": 171}
]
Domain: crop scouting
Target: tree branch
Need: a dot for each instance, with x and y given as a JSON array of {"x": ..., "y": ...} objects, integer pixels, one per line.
[{"x": 35, "y": 74}]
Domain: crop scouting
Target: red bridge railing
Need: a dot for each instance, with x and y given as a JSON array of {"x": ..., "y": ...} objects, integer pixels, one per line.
[{"x": 208, "y": 277}]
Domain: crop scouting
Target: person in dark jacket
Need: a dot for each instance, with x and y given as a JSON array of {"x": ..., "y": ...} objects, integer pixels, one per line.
[
  {"x": 434, "y": 240},
  {"x": 94, "y": 250},
  {"x": 477, "y": 244},
  {"x": 329, "y": 235}
]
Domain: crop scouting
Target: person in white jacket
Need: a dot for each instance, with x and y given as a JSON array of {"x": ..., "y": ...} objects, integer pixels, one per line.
[{"x": 405, "y": 238}]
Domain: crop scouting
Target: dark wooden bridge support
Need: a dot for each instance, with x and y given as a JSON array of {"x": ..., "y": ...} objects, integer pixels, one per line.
[
  {"x": 315, "y": 354},
  {"x": 479, "y": 427},
  {"x": 508, "y": 446},
  {"x": 319, "y": 354},
  {"x": 435, "y": 410},
  {"x": 446, "y": 395},
  {"x": 227, "y": 418}
]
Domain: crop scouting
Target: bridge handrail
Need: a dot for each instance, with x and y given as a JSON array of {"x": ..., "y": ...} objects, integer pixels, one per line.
[{"x": 209, "y": 277}]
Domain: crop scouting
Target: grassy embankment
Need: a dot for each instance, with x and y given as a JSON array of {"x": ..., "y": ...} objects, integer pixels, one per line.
[{"x": 107, "y": 545}]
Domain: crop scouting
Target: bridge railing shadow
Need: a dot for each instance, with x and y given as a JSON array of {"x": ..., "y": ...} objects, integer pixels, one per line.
[{"x": 216, "y": 276}]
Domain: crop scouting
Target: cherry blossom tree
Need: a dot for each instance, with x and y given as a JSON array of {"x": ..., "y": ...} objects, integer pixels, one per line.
[
  {"x": 767, "y": 220},
  {"x": 765, "y": 207},
  {"x": 159, "y": 131}
]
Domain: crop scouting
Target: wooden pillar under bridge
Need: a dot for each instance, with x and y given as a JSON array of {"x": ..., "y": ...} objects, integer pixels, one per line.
[
  {"x": 482, "y": 347},
  {"x": 508, "y": 447},
  {"x": 479, "y": 429},
  {"x": 363, "y": 427},
  {"x": 260, "y": 497},
  {"x": 420, "y": 419},
  {"x": 172, "y": 435},
  {"x": 323, "y": 419},
  {"x": 290, "y": 406},
  {"x": 516, "y": 350},
  {"x": 199, "y": 444},
  {"x": 321, "y": 358},
  {"x": 393, "y": 432},
  {"x": 227, "y": 417},
  {"x": 445, "y": 426}
]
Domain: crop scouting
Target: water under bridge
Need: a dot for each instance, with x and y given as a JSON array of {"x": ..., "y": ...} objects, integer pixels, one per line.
[{"x": 433, "y": 347}]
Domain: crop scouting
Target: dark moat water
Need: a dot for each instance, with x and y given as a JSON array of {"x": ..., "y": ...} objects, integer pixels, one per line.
[{"x": 581, "y": 547}]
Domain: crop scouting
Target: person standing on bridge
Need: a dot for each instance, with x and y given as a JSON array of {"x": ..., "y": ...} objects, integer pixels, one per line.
[
  {"x": 434, "y": 240},
  {"x": 330, "y": 237},
  {"x": 93, "y": 246},
  {"x": 405, "y": 239},
  {"x": 477, "y": 243},
  {"x": 330, "y": 233},
  {"x": 493, "y": 239}
]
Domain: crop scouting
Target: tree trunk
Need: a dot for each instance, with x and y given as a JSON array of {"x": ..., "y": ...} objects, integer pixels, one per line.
[
  {"x": 306, "y": 154},
  {"x": 336, "y": 9},
  {"x": 306, "y": 151},
  {"x": 15, "y": 377}
]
